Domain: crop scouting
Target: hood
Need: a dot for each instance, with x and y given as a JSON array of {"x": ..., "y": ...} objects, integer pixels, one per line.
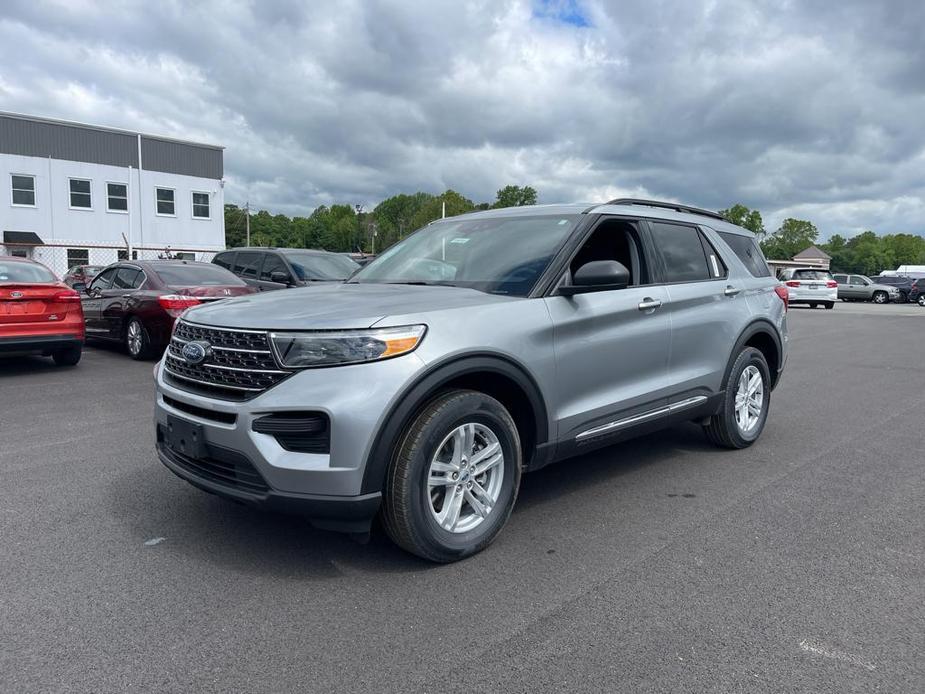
[{"x": 335, "y": 306}]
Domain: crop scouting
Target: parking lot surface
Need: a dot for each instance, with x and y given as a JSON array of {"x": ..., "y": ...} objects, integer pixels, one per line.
[{"x": 661, "y": 564}]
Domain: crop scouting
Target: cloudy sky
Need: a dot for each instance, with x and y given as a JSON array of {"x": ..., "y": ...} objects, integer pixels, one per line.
[{"x": 806, "y": 109}]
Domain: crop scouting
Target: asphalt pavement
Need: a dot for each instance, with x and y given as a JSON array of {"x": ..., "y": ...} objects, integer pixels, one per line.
[{"x": 658, "y": 565}]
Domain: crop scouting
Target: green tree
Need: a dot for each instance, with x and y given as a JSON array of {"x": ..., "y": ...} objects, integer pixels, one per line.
[
  {"x": 433, "y": 208},
  {"x": 749, "y": 219},
  {"x": 793, "y": 236},
  {"x": 515, "y": 196}
]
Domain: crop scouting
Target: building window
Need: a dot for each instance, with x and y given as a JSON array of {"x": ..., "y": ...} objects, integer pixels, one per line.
[
  {"x": 117, "y": 197},
  {"x": 123, "y": 255},
  {"x": 80, "y": 194},
  {"x": 23, "y": 190},
  {"x": 77, "y": 256},
  {"x": 185, "y": 256},
  {"x": 201, "y": 206},
  {"x": 165, "y": 202}
]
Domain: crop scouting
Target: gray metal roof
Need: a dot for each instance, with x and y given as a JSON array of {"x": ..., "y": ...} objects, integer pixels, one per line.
[
  {"x": 44, "y": 137},
  {"x": 603, "y": 208}
]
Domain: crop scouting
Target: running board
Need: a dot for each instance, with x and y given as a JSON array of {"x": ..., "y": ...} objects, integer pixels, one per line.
[{"x": 640, "y": 418}]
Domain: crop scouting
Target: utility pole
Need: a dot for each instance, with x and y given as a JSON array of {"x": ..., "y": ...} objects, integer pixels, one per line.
[{"x": 247, "y": 212}]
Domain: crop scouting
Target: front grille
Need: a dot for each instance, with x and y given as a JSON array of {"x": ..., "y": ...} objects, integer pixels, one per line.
[
  {"x": 239, "y": 366},
  {"x": 222, "y": 467}
]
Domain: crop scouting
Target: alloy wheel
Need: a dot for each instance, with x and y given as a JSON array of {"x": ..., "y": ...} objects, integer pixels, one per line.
[
  {"x": 133, "y": 337},
  {"x": 465, "y": 477},
  {"x": 749, "y": 399}
]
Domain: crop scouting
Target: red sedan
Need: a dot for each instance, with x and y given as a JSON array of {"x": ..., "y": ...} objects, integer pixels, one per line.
[
  {"x": 38, "y": 313},
  {"x": 135, "y": 302}
]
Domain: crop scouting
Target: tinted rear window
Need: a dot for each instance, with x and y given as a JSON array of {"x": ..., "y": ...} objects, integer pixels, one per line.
[
  {"x": 196, "y": 276},
  {"x": 812, "y": 275},
  {"x": 748, "y": 252},
  {"x": 682, "y": 252},
  {"x": 25, "y": 272}
]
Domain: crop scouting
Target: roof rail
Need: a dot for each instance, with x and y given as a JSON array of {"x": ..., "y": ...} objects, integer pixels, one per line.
[{"x": 667, "y": 206}]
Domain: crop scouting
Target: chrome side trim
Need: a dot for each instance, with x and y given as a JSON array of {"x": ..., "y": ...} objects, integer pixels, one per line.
[{"x": 639, "y": 418}]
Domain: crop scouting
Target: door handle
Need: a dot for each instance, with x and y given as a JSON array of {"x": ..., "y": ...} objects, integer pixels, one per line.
[
  {"x": 649, "y": 304},
  {"x": 731, "y": 291},
  {"x": 126, "y": 296}
]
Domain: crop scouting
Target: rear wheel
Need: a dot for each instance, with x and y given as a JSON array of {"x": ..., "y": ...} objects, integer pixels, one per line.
[
  {"x": 902, "y": 298},
  {"x": 880, "y": 297},
  {"x": 454, "y": 479},
  {"x": 813, "y": 304},
  {"x": 67, "y": 357},
  {"x": 830, "y": 304},
  {"x": 921, "y": 300},
  {"x": 745, "y": 405},
  {"x": 136, "y": 339}
]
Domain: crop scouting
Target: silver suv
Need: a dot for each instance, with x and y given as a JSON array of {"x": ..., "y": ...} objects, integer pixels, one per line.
[{"x": 481, "y": 346}]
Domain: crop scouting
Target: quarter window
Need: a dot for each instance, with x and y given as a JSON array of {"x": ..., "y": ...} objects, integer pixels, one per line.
[
  {"x": 201, "y": 206},
  {"x": 23, "y": 188},
  {"x": 117, "y": 197},
  {"x": 748, "y": 252},
  {"x": 80, "y": 193},
  {"x": 165, "y": 202},
  {"x": 682, "y": 252}
]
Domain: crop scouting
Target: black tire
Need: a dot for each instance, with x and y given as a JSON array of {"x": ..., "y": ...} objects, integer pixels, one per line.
[
  {"x": 67, "y": 357},
  {"x": 813, "y": 304},
  {"x": 829, "y": 305},
  {"x": 722, "y": 429},
  {"x": 921, "y": 300},
  {"x": 407, "y": 505},
  {"x": 903, "y": 297},
  {"x": 138, "y": 349},
  {"x": 880, "y": 298}
]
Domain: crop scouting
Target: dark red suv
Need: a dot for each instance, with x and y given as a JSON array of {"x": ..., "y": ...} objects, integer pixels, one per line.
[
  {"x": 135, "y": 302},
  {"x": 38, "y": 313}
]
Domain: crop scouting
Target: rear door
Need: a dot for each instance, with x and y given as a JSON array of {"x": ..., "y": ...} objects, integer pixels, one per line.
[
  {"x": 247, "y": 266},
  {"x": 701, "y": 298},
  {"x": 92, "y": 301},
  {"x": 124, "y": 285}
]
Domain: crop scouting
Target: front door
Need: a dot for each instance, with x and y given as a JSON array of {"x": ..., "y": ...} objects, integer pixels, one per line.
[
  {"x": 112, "y": 310},
  {"x": 611, "y": 346},
  {"x": 92, "y": 302}
]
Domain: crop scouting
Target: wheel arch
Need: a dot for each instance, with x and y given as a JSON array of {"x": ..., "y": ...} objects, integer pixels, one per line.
[
  {"x": 763, "y": 336},
  {"x": 496, "y": 375}
]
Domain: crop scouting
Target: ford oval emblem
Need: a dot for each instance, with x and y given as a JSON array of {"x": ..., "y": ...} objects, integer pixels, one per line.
[{"x": 196, "y": 352}]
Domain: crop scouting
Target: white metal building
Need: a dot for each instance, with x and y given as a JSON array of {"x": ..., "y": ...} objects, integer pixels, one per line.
[{"x": 74, "y": 194}]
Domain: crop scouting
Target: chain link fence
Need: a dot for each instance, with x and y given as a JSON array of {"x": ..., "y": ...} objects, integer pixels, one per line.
[{"x": 60, "y": 258}]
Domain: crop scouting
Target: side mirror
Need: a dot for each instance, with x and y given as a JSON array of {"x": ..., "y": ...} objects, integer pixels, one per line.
[
  {"x": 280, "y": 277},
  {"x": 597, "y": 276},
  {"x": 80, "y": 287}
]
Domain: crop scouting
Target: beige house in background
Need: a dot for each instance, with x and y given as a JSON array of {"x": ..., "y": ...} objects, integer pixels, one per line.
[{"x": 809, "y": 257}]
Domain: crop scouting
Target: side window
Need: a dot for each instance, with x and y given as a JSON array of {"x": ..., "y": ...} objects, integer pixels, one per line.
[
  {"x": 125, "y": 278},
  {"x": 748, "y": 252},
  {"x": 614, "y": 239},
  {"x": 104, "y": 279},
  {"x": 682, "y": 252},
  {"x": 247, "y": 263},
  {"x": 272, "y": 263},
  {"x": 714, "y": 260},
  {"x": 225, "y": 260},
  {"x": 857, "y": 281}
]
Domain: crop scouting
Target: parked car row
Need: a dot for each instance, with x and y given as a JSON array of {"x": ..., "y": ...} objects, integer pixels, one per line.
[{"x": 817, "y": 287}]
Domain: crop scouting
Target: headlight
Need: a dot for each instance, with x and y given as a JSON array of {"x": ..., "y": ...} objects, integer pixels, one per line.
[{"x": 334, "y": 347}]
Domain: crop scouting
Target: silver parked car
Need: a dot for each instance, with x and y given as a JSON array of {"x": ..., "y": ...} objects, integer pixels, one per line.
[
  {"x": 481, "y": 346},
  {"x": 807, "y": 285},
  {"x": 861, "y": 288}
]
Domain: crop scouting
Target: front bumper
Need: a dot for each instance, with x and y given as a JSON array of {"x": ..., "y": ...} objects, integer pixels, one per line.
[{"x": 327, "y": 487}]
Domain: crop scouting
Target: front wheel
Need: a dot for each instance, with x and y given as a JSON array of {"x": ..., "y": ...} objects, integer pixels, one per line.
[
  {"x": 454, "y": 479},
  {"x": 921, "y": 300},
  {"x": 880, "y": 297},
  {"x": 744, "y": 411}
]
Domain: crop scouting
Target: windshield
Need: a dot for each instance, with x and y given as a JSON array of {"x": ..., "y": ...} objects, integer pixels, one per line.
[
  {"x": 25, "y": 272},
  {"x": 326, "y": 267},
  {"x": 499, "y": 255},
  {"x": 200, "y": 275}
]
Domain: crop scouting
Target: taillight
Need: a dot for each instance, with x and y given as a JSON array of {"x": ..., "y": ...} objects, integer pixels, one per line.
[
  {"x": 784, "y": 296},
  {"x": 793, "y": 283},
  {"x": 66, "y": 296},
  {"x": 831, "y": 284},
  {"x": 175, "y": 304}
]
